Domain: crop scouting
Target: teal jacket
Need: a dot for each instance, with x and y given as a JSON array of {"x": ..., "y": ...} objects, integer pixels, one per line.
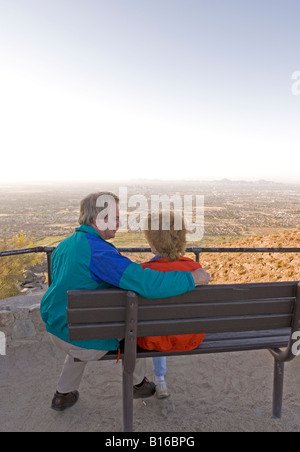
[{"x": 86, "y": 261}]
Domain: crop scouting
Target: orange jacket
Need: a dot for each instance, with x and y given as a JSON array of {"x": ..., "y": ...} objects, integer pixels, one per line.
[{"x": 181, "y": 342}]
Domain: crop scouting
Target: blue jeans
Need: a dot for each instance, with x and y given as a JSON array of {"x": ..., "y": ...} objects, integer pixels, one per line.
[{"x": 160, "y": 366}]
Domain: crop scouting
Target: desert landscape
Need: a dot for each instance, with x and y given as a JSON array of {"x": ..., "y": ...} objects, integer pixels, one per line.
[
  {"x": 236, "y": 214},
  {"x": 232, "y": 208}
]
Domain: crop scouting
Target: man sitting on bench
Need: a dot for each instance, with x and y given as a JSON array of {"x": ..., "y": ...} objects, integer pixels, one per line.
[{"x": 86, "y": 260}]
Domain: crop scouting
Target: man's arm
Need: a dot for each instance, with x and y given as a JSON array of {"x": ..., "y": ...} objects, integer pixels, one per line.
[{"x": 109, "y": 266}]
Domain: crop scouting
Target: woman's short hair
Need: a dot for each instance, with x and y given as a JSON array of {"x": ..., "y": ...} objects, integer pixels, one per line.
[
  {"x": 169, "y": 241},
  {"x": 93, "y": 204}
]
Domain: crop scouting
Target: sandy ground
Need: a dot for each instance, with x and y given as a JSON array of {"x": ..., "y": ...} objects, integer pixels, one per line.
[{"x": 211, "y": 393}]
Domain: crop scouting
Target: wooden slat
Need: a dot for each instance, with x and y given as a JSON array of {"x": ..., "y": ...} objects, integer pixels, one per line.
[
  {"x": 117, "y": 297},
  {"x": 284, "y": 332},
  {"x": 89, "y": 298},
  {"x": 188, "y": 326},
  {"x": 96, "y": 331},
  {"x": 227, "y": 346},
  {"x": 186, "y": 310},
  {"x": 233, "y": 292},
  {"x": 226, "y": 342},
  {"x": 182, "y": 311},
  {"x": 214, "y": 324},
  {"x": 95, "y": 315}
]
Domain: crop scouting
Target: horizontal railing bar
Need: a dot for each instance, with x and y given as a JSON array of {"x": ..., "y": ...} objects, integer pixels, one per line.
[
  {"x": 37, "y": 249},
  {"x": 218, "y": 250},
  {"x": 195, "y": 250}
]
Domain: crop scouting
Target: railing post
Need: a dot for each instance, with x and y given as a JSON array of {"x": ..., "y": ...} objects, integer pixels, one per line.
[{"x": 49, "y": 254}]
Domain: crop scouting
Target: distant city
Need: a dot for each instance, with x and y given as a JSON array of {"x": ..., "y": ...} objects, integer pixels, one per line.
[{"x": 232, "y": 208}]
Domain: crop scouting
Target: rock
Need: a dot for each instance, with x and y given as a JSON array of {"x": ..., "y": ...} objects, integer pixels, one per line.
[
  {"x": 20, "y": 319},
  {"x": 6, "y": 318},
  {"x": 33, "y": 278},
  {"x": 33, "y": 281},
  {"x": 32, "y": 285},
  {"x": 22, "y": 329}
]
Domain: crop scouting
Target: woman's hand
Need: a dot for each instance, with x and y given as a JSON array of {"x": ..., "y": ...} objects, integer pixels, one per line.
[{"x": 201, "y": 277}]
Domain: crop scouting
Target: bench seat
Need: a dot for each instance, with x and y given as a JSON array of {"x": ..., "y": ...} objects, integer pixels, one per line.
[{"x": 221, "y": 343}]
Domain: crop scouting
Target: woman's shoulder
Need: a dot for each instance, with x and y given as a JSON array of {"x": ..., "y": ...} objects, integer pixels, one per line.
[{"x": 182, "y": 264}]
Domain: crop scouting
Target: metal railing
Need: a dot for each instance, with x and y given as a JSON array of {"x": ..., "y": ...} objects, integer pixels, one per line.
[
  {"x": 38, "y": 249},
  {"x": 195, "y": 250}
]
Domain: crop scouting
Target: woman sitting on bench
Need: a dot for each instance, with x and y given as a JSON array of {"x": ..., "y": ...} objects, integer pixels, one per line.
[{"x": 166, "y": 234}]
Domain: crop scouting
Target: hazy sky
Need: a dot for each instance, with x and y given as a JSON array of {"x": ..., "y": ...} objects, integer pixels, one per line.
[{"x": 170, "y": 89}]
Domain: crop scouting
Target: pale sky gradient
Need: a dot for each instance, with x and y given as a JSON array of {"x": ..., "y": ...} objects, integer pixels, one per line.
[{"x": 168, "y": 89}]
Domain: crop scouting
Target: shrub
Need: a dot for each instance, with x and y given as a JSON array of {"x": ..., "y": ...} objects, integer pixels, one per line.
[{"x": 12, "y": 267}]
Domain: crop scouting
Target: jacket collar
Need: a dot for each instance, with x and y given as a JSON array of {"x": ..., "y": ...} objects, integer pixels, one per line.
[{"x": 90, "y": 230}]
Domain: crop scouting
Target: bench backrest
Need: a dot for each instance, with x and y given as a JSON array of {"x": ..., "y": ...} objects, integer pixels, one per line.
[{"x": 104, "y": 314}]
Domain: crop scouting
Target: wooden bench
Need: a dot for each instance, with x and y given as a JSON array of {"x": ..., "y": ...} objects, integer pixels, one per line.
[{"x": 235, "y": 317}]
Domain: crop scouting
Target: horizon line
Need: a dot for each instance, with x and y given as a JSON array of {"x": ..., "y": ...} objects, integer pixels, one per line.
[{"x": 139, "y": 180}]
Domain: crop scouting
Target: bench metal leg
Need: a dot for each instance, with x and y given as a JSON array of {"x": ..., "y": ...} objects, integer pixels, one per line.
[
  {"x": 129, "y": 359},
  {"x": 127, "y": 401},
  {"x": 278, "y": 388}
]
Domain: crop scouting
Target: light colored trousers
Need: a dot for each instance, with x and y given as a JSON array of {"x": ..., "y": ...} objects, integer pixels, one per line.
[{"x": 72, "y": 372}]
